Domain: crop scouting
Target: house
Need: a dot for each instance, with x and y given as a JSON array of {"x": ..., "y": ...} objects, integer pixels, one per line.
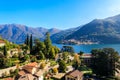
[
  {"x": 39, "y": 75},
  {"x": 9, "y": 78},
  {"x": 31, "y": 68},
  {"x": 26, "y": 76},
  {"x": 58, "y": 76},
  {"x": 74, "y": 75},
  {"x": 86, "y": 59},
  {"x": 31, "y": 72},
  {"x": 2, "y": 43}
]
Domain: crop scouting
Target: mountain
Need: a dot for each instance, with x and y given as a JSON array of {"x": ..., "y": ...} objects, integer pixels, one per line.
[
  {"x": 56, "y": 38},
  {"x": 17, "y": 33},
  {"x": 103, "y": 31},
  {"x": 99, "y": 30}
]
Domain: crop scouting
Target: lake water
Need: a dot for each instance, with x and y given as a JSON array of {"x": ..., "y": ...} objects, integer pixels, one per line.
[{"x": 89, "y": 47}]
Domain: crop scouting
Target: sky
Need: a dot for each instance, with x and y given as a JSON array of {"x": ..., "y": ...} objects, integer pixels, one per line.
[{"x": 60, "y": 14}]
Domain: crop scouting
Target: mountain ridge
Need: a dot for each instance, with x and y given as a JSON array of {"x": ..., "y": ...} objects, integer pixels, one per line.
[
  {"x": 104, "y": 31},
  {"x": 17, "y": 32}
]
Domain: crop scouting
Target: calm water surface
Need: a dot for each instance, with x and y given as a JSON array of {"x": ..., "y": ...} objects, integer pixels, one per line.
[{"x": 87, "y": 48}]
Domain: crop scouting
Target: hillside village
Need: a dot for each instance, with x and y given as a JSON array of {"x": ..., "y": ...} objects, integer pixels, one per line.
[{"x": 37, "y": 60}]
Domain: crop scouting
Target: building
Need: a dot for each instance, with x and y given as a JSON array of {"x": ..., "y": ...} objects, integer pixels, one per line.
[
  {"x": 31, "y": 68},
  {"x": 39, "y": 75},
  {"x": 86, "y": 59},
  {"x": 31, "y": 71},
  {"x": 74, "y": 75},
  {"x": 58, "y": 76},
  {"x": 2, "y": 43},
  {"x": 26, "y": 76}
]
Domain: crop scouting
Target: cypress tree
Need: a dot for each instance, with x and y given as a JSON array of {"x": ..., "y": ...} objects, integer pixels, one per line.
[
  {"x": 31, "y": 43},
  {"x": 48, "y": 44},
  {"x": 27, "y": 40},
  {"x": 5, "y": 51}
]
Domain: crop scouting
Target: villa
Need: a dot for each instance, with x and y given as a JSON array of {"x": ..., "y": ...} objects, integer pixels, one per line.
[
  {"x": 74, "y": 75},
  {"x": 87, "y": 59},
  {"x": 30, "y": 72}
]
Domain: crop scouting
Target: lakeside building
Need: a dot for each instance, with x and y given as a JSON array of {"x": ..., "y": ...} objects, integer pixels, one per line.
[{"x": 86, "y": 59}]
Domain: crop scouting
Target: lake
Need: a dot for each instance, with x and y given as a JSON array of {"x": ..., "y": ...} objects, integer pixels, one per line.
[{"x": 87, "y": 48}]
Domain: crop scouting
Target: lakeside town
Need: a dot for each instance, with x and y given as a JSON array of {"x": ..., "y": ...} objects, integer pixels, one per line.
[{"x": 40, "y": 60}]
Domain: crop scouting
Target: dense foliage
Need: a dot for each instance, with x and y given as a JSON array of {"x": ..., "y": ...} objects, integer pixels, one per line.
[{"x": 104, "y": 61}]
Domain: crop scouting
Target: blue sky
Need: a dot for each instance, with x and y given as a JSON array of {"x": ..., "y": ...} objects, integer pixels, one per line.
[{"x": 61, "y": 14}]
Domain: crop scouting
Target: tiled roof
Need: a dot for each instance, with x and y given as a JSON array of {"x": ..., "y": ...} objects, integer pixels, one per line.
[
  {"x": 75, "y": 73},
  {"x": 8, "y": 79},
  {"x": 30, "y": 66},
  {"x": 21, "y": 73},
  {"x": 1, "y": 41},
  {"x": 34, "y": 64}
]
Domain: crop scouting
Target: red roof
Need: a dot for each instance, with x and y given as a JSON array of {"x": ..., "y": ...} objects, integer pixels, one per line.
[
  {"x": 8, "y": 79},
  {"x": 21, "y": 73},
  {"x": 2, "y": 41},
  {"x": 30, "y": 66},
  {"x": 34, "y": 64}
]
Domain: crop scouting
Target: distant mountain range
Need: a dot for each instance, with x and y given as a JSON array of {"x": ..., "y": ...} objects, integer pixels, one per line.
[
  {"x": 17, "y": 33},
  {"x": 99, "y": 30},
  {"x": 104, "y": 31}
]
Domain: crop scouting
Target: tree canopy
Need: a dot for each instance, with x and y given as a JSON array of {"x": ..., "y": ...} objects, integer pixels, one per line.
[{"x": 104, "y": 61}]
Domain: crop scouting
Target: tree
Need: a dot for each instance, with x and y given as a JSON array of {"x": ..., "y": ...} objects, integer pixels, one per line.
[
  {"x": 65, "y": 56},
  {"x": 48, "y": 44},
  {"x": 5, "y": 51},
  {"x": 52, "y": 53},
  {"x": 57, "y": 50},
  {"x": 31, "y": 43},
  {"x": 55, "y": 70},
  {"x": 42, "y": 66},
  {"x": 27, "y": 40},
  {"x": 38, "y": 47},
  {"x": 104, "y": 61},
  {"x": 67, "y": 49},
  {"x": 26, "y": 57},
  {"x": 62, "y": 66},
  {"x": 41, "y": 56},
  {"x": 2, "y": 62},
  {"x": 76, "y": 61},
  {"x": 81, "y": 53}
]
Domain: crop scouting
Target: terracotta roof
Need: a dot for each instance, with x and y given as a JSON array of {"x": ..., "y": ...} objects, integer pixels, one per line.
[
  {"x": 21, "y": 73},
  {"x": 34, "y": 64},
  {"x": 30, "y": 66},
  {"x": 8, "y": 79},
  {"x": 2, "y": 41},
  {"x": 75, "y": 73}
]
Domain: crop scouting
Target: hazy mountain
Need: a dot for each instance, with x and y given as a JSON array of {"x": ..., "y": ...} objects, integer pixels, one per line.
[
  {"x": 56, "y": 38},
  {"x": 102, "y": 30},
  {"x": 17, "y": 33}
]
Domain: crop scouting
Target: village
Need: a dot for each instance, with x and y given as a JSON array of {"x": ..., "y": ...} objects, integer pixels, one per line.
[{"x": 43, "y": 61}]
